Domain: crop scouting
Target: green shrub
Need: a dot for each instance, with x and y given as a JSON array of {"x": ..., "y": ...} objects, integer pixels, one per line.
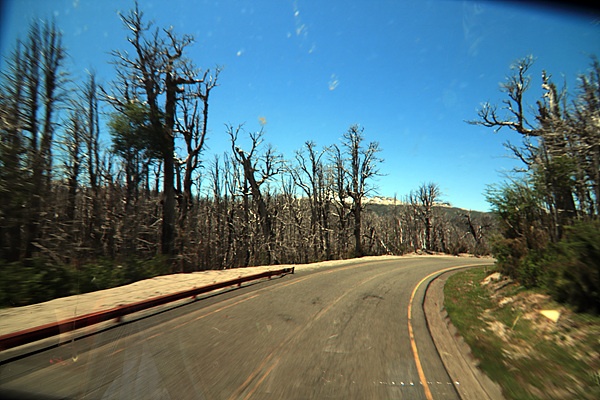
[
  {"x": 13, "y": 277},
  {"x": 135, "y": 270},
  {"x": 157, "y": 266},
  {"x": 509, "y": 254},
  {"x": 99, "y": 275},
  {"x": 568, "y": 270},
  {"x": 34, "y": 282},
  {"x": 55, "y": 280},
  {"x": 574, "y": 275},
  {"x": 40, "y": 280},
  {"x": 105, "y": 274},
  {"x": 530, "y": 271}
]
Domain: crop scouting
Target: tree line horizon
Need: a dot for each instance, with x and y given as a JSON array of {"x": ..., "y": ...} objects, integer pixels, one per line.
[{"x": 69, "y": 200}]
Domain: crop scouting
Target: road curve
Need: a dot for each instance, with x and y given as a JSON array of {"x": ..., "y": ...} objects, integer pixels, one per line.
[{"x": 334, "y": 333}]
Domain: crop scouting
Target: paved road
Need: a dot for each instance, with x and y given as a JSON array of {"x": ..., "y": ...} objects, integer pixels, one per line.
[{"x": 336, "y": 333}]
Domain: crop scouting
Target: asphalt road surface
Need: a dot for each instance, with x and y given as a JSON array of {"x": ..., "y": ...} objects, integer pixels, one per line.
[{"x": 334, "y": 333}]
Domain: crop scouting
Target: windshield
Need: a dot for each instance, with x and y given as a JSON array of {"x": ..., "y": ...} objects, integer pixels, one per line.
[{"x": 147, "y": 139}]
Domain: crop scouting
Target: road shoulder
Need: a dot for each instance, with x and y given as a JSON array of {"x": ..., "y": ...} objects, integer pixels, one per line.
[{"x": 470, "y": 382}]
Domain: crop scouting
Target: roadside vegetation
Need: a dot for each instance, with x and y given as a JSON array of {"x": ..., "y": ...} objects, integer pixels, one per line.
[
  {"x": 527, "y": 354},
  {"x": 548, "y": 212},
  {"x": 547, "y": 248},
  {"x": 39, "y": 280}
]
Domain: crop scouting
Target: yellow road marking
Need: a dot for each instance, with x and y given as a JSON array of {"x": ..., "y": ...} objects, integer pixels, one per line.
[
  {"x": 153, "y": 336},
  {"x": 317, "y": 316},
  {"x": 411, "y": 335},
  {"x": 260, "y": 381},
  {"x": 116, "y": 352}
]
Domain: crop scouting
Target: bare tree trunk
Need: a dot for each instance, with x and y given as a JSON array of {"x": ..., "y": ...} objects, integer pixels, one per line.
[
  {"x": 428, "y": 194},
  {"x": 14, "y": 176},
  {"x": 363, "y": 167},
  {"x": 92, "y": 149},
  {"x": 270, "y": 167},
  {"x": 44, "y": 55}
]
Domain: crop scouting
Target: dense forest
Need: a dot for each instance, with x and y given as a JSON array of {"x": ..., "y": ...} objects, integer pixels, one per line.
[
  {"x": 78, "y": 215},
  {"x": 548, "y": 211}
]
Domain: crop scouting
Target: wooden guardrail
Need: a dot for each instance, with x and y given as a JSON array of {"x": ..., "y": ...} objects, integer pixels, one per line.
[{"x": 30, "y": 335}]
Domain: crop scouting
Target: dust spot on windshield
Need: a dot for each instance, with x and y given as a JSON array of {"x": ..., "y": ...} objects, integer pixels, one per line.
[{"x": 333, "y": 82}]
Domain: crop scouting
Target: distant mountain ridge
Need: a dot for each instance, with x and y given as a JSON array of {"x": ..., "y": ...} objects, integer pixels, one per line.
[{"x": 377, "y": 202}]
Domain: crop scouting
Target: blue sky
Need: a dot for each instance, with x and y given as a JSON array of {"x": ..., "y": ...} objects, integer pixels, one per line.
[{"x": 409, "y": 72}]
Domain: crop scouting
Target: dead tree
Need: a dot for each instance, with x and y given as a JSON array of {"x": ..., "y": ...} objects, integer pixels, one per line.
[
  {"x": 157, "y": 70},
  {"x": 14, "y": 175},
  {"x": 362, "y": 166},
  {"x": 308, "y": 175},
  {"x": 341, "y": 207},
  {"x": 553, "y": 149},
  {"x": 258, "y": 169},
  {"x": 427, "y": 195},
  {"x": 192, "y": 124},
  {"x": 478, "y": 229},
  {"x": 32, "y": 90}
]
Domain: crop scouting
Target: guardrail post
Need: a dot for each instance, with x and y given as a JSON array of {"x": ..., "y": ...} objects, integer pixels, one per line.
[{"x": 119, "y": 317}]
